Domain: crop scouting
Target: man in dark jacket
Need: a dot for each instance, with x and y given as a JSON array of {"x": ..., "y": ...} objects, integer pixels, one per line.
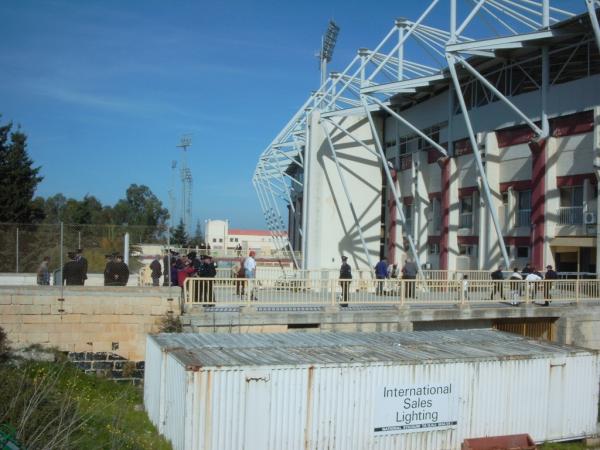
[
  {"x": 381, "y": 271},
  {"x": 550, "y": 275},
  {"x": 497, "y": 278},
  {"x": 83, "y": 263},
  {"x": 207, "y": 270},
  {"x": 345, "y": 280},
  {"x": 156, "y": 269},
  {"x": 108, "y": 269},
  {"x": 116, "y": 272},
  {"x": 72, "y": 274}
]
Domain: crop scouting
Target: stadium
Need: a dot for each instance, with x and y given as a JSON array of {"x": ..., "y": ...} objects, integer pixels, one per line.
[{"x": 479, "y": 150}]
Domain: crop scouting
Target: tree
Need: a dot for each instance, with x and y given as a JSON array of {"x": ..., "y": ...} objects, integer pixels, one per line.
[
  {"x": 18, "y": 178},
  {"x": 198, "y": 237},
  {"x": 142, "y": 208},
  {"x": 179, "y": 236}
]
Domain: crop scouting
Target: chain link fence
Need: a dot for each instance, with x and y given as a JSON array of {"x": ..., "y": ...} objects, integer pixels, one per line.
[{"x": 23, "y": 246}]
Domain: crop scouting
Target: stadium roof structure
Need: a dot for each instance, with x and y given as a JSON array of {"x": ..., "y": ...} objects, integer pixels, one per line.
[{"x": 481, "y": 43}]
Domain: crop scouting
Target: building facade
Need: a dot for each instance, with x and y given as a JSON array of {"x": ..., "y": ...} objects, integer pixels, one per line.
[
  {"x": 220, "y": 237},
  {"x": 492, "y": 160}
]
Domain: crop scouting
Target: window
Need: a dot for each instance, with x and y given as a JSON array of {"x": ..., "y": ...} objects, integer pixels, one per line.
[
  {"x": 571, "y": 205},
  {"x": 214, "y": 240},
  {"x": 434, "y": 248},
  {"x": 505, "y": 212},
  {"x": 524, "y": 210},
  {"x": 522, "y": 252},
  {"x": 436, "y": 214},
  {"x": 466, "y": 212},
  {"x": 466, "y": 250},
  {"x": 408, "y": 217},
  {"x": 220, "y": 240}
]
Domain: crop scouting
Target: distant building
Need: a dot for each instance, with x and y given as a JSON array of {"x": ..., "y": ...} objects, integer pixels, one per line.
[{"x": 220, "y": 236}]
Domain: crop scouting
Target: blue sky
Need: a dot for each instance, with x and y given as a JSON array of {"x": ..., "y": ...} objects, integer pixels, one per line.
[{"x": 105, "y": 89}]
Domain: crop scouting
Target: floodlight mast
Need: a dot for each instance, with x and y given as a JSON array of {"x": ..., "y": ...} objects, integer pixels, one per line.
[
  {"x": 328, "y": 42},
  {"x": 186, "y": 184}
]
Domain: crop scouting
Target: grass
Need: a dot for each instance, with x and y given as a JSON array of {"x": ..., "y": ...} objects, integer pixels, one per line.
[
  {"x": 564, "y": 446},
  {"x": 111, "y": 416}
]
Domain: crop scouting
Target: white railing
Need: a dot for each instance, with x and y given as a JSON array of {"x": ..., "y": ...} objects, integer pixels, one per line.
[
  {"x": 570, "y": 215},
  {"x": 242, "y": 291}
]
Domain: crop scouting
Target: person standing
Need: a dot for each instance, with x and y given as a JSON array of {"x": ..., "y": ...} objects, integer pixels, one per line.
[
  {"x": 515, "y": 286},
  {"x": 237, "y": 271},
  {"x": 121, "y": 272},
  {"x": 156, "y": 269},
  {"x": 409, "y": 273},
  {"x": 532, "y": 278},
  {"x": 72, "y": 275},
  {"x": 498, "y": 283},
  {"x": 381, "y": 271},
  {"x": 207, "y": 270},
  {"x": 43, "y": 272},
  {"x": 250, "y": 273},
  {"x": 108, "y": 269},
  {"x": 345, "y": 280},
  {"x": 550, "y": 275},
  {"x": 83, "y": 265},
  {"x": 465, "y": 287}
]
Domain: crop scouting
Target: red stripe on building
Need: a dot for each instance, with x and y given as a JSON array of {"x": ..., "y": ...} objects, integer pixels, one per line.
[
  {"x": 521, "y": 185},
  {"x": 538, "y": 201},
  {"x": 468, "y": 240},
  {"x": 466, "y": 191},
  {"x": 578, "y": 123},
  {"x": 434, "y": 239},
  {"x": 518, "y": 241},
  {"x": 521, "y": 134},
  {"x": 575, "y": 180},
  {"x": 462, "y": 147}
]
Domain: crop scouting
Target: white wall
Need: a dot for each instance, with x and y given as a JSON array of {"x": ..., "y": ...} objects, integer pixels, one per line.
[{"x": 331, "y": 228}]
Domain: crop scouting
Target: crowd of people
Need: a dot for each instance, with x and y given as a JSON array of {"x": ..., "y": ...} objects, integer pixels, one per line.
[
  {"x": 385, "y": 271},
  {"x": 529, "y": 274}
]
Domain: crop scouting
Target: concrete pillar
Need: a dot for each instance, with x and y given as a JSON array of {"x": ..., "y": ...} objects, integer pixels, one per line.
[
  {"x": 491, "y": 255},
  {"x": 450, "y": 213},
  {"x": 552, "y": 201}
]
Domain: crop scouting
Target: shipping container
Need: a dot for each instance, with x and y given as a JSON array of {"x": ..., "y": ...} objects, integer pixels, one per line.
[{"x": 418, "y": 390}]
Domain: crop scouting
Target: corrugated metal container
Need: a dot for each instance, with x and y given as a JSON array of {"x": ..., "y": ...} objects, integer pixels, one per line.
[{"x": 419, "y": 390}]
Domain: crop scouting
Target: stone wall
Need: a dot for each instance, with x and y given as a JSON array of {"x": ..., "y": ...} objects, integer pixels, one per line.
[{"x": 86, "y": 319}]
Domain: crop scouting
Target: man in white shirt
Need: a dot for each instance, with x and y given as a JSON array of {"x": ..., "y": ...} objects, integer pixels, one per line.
[{"x": 250, "y": 273}]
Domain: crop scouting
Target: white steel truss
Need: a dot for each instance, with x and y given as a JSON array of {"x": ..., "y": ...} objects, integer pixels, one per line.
[{"x": 377, "y": 80}]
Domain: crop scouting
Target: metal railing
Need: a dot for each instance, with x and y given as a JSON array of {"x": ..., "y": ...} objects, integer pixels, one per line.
[
  {"x": 570, "y": 215},
  {"x": 298, "y": 292}
]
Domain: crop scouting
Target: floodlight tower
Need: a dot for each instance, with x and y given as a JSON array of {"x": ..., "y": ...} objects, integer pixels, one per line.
[
  {"x": 327, "y": 45},
  {"x": 186, "y": 184}
]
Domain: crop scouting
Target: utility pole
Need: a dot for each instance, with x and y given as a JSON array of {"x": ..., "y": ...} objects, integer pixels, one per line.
[{"x": 186, "y": 184}]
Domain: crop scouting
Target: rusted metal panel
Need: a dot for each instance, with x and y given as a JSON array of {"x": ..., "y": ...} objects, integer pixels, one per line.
[{"x": 264, "y": 394}]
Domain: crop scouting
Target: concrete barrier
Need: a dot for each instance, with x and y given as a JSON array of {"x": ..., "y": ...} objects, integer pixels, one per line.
[{"x": 86, "y": 319}]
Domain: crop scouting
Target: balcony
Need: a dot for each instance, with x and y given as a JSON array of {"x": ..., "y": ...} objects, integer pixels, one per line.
[{"x": 570, "y": 215}]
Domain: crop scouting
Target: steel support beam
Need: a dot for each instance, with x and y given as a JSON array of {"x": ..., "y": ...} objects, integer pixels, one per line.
[
  {"x": 392, "y": 186},
  {"x": 477, "y": 154}
]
